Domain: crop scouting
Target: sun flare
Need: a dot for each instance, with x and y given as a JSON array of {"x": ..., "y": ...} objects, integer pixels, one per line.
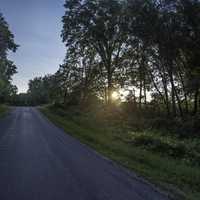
[{"x": 115, "y": 95}]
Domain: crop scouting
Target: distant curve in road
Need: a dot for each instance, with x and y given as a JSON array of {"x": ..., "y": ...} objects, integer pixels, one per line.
[{"x": 38, "y": 161}]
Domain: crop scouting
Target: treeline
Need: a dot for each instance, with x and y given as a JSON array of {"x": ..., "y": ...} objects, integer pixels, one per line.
[
  {"x": 42, "y": 90},
  {"x": 7, "y": 67},
  {"x": 146, "y": 47}
]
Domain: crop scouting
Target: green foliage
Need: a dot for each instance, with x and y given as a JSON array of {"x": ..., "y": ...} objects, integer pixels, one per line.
[
  {"x": 3, "y": 110},
  {"x": 6, "y": 38},
  {"x": 96, "y": 26},
  {"x": 146, "y": 153},
  {"x": 7, "y": 67},
  {"x": 186, "y": 150},
  {"x": 148, "y": 48},
  {"x": 40, "y": 90}
]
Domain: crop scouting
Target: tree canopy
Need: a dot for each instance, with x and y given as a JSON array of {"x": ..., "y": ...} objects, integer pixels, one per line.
[
  {"x": 7, "y": 67},
  {"x": 147, "y": 49}
]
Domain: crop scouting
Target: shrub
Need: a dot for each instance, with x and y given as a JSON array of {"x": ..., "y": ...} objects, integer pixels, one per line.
[{"x": 187, "y": 150}]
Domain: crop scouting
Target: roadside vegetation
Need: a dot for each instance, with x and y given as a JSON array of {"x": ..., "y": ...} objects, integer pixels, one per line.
[
  {"x": 129, "y": 85},
  {"x": 3, "y": 110},
  {"x": 168, "y": 161},
  {"x": 144, "y": 53},
  {"x": 8, "y": 91}
]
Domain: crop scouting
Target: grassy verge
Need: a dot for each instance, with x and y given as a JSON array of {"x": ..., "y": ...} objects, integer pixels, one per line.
[
  {"x": 179, "y": 175},
  {"x": 3, "y": 110}
]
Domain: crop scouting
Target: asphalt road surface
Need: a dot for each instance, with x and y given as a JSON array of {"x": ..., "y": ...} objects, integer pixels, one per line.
[{"x": 38, "y": 161}]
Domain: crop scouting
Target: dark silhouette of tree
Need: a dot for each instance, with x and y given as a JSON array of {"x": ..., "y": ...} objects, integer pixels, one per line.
[{"x": 7, "y": 67}]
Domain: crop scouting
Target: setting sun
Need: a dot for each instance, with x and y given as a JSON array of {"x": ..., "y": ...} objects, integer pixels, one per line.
[
  {"x": 101, "y": 98},
  {"x": 115, "y": 95}
]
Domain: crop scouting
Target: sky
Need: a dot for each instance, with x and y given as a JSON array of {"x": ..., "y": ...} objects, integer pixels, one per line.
[{"x": 37, "y": 26}]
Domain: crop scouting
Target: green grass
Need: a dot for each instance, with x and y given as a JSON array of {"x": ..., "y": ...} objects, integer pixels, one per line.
[
  {"x": 3, "y": 110},
  {"x": 176, "y": 175}
]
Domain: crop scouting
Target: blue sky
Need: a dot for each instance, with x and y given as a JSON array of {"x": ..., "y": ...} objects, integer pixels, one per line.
[{"x": 37, "y": 26}]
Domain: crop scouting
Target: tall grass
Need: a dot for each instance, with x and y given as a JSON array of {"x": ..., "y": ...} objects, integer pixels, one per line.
[
  {"x": 163, "y": 159},
  {"x": 3, "y": 110}
]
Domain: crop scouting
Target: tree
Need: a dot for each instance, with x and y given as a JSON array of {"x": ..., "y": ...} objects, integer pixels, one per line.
[
  {"x": 40, "y": 90},
  {"x": 7, "y": 67},
  {"x": 97, "y": 25}
]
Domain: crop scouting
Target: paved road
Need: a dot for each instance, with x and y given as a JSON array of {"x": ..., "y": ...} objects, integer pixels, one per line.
[{"x": 38, "y": 161}]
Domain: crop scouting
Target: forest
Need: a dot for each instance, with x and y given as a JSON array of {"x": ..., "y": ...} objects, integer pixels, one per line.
[
  {"x": 131, "y": 74},
  {"x": 142, "y": 56}
]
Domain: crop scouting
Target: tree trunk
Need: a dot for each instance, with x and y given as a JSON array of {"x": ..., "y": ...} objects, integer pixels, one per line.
[
  {"x": 179, "y": 103},
  {"x": 196, "y": 95},
  {"x": 106, "y": 95},
  {"x": 186, "y": 102},
  {"x": 166, "y": 101},
  {"x": 172, "y": 92},
  {"x": 109, "y": 87},
  {"x": 140, "y": 96},
  {"x": 65, "y": 98},
  {"x": 184, "y": 92},
  {"x": 145, "y": 91},
  {"x": 166, "y": 95}
]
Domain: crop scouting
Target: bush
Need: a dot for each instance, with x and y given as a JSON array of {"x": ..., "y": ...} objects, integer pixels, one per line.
[
  {"x": 187, "y": 150},
  {"x": 190, "y": 127}
]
